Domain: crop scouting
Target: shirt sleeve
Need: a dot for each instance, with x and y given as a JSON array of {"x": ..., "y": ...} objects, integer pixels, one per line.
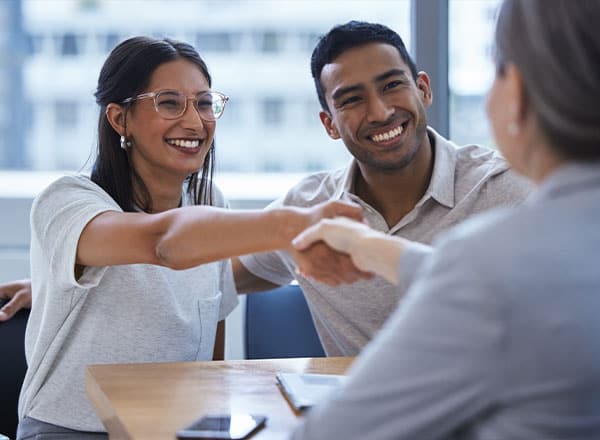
[
  {"x": 229, "y": 299},
  {"x": 434, "y": 365},
  {"x": 270, "y": 266},
  {"x": 277, "y": 267},
  {"x": 58, "y": 216},
  {"x": 506, "y": 189}
]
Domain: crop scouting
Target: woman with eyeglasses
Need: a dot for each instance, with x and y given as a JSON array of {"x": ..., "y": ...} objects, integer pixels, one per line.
[
  {"x": 498, "y": 337},
  {"x": 129, "y": 265}
]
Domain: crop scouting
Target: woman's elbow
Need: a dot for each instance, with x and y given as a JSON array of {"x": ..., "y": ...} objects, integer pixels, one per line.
[{"x": 169, "y": 253}]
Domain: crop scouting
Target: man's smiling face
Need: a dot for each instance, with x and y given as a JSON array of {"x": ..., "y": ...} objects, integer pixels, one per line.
[{"x": 375, "y": 105}]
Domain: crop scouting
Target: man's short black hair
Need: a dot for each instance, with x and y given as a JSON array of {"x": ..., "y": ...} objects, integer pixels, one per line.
[{"x": 347, "y": 36}]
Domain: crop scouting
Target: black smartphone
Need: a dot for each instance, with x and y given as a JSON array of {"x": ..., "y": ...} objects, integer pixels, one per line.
[{"x": 231, "y": 426}]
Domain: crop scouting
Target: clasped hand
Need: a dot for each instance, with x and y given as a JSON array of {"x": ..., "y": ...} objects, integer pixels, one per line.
[{"x": 324, "y": 251}]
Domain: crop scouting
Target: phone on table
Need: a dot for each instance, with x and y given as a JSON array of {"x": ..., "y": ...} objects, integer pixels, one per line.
[{"x": 231, "y": 426}]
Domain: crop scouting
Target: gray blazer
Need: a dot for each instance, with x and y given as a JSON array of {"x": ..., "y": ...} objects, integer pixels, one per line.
[{"x": 499, "y": 335}]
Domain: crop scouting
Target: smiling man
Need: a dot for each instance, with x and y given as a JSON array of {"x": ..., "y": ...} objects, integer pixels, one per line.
[{"x": 410, "y": 181}]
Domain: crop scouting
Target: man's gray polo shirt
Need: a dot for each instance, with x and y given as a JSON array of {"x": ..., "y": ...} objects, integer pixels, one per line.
[{"x": 465, "y": 180}]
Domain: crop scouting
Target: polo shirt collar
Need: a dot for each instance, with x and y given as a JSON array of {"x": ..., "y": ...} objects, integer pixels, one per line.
[
  {"x": 347, "y": 182},
  {"x": 441, "y": 186}
]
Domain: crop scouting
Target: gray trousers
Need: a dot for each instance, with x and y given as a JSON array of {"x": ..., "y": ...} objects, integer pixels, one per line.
[{"x": 32, "y": 429}]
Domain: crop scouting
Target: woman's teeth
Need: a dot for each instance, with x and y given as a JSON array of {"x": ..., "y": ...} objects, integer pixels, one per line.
[
  {"x": 184, "y": 143},
  {"x": 388, "y": 135}
]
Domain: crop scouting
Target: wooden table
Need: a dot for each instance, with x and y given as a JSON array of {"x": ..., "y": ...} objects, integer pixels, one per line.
[{"x": 154, "y": 401}]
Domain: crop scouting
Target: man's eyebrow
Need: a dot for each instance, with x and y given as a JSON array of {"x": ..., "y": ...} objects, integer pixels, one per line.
[
  {"x": 390, "y": 73},
  {"x": 345, "y": 90}
]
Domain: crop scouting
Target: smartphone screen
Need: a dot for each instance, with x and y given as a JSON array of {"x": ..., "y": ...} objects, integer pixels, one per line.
[{"x": 234, "y": 427}]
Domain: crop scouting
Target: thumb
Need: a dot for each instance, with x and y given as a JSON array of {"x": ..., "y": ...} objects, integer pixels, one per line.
[
  {"x": 7, "y": 311},
  {"x": 20, "y": 301},
  {"x": 307, "y": 237}
]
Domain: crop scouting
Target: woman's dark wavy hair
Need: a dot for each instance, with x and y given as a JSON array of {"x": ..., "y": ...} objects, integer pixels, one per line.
[{"x": 127, "y": 72}]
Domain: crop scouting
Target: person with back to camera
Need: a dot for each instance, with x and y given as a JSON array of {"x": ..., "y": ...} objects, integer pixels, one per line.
[
  {"x": 104, "y": 249},
  {"x": 497, "y": 337}
]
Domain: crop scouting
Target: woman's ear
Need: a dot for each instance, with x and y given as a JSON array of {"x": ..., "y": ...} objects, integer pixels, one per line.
[
  {"x": 329, "y": 125},
  {"x": 515, "y": 89},
  {"x": 116, "y": 117}
]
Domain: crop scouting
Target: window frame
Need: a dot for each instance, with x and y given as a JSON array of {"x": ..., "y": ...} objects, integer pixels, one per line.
[{"x": 429, "y": 47}]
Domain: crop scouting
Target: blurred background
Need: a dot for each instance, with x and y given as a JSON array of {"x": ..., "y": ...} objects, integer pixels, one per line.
[{"x": 258, "y": 52}]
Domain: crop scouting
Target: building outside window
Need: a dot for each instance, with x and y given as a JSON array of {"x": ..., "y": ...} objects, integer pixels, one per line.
[
  {"x": 471, "y": 70},
  {"x": 66, "y": 114},
  {"x": 254, "y": 49},
  {"x": 273, "y": 111}
]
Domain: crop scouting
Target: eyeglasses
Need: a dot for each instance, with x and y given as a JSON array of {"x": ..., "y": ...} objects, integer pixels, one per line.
[{"x": 171, "y": 104}]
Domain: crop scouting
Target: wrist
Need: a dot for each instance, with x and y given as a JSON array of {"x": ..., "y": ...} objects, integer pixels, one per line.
[
  {"x": 288, "y": 223},
  {"x": 380, "y": 254}
]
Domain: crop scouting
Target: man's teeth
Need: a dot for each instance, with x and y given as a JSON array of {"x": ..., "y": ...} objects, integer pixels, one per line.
[
  {"x": 184, "y": 143},
  {"x": 388, "y": 135}
]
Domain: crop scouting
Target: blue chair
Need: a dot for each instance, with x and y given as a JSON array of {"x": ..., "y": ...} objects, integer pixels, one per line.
[
  {"x": 12, "y": 347},
  {"x": 279, "y": 325}
]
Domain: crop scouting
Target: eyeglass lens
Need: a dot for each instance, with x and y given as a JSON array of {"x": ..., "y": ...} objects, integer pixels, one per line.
[{"x": 171, "y": 105}]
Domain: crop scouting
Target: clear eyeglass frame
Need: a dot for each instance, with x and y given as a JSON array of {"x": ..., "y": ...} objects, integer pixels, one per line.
[{"x": 211, "y": 113}]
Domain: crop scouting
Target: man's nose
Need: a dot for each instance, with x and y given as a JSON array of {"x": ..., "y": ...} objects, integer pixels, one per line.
[{"x": 379, "y": 110}]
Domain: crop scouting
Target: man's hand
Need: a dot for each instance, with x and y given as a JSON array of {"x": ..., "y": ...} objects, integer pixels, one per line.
[
  {"x": 327, "y": 265},
  {"x": 333, "y": 209},
  {"x": 19, "y": 293}
]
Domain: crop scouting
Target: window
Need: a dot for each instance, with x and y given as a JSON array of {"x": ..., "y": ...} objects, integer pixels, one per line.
[
  {"x": 65, "y": 114},
  {"x": 258, "y": 53},
  {"x": 308, "y": 40},
  {"x": 34, "y": 44},
  {"x": 216, "y": 42},
  {"x": 273, "y": 109},
  {"x": 109, "y": 40},
  {"x": 67, "y": 44},
  {"x": 271, "y": 42},
  {"x": 470, "y": 68}
]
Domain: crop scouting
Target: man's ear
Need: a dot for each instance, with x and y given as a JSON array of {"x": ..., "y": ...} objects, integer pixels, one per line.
[
  {"x": 116, "y": 117},
  {"x": 328, "y": 124},
  {"x": 424, "y": 86}
]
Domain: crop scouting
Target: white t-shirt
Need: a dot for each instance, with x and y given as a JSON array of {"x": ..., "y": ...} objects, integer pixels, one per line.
[{"x": 114, "y": 314}]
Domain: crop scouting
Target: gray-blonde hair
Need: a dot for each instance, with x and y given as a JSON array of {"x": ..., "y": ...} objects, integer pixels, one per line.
[{"x": 555, "y": 44}]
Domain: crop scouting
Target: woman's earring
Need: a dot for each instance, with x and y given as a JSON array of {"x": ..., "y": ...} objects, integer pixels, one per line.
[
  {"x": 125, "y": 144},
  {"x": 513, "y": 128}
]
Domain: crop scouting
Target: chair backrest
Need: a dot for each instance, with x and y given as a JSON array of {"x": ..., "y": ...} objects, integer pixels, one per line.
[
  {"x": 279, "y": 325},
  {"x": 12, "y": 350}
]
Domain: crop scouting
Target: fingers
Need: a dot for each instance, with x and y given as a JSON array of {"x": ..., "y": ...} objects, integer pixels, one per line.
[
  {"x": 20, "y": 300},
  {"x": 347, "y": 210},
  {"x": 338, "y": 233}
]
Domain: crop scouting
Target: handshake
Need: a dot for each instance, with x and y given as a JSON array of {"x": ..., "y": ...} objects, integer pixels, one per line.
[
  {"x": 341, "y": 248},
  {"x": 335, "y": 246}
]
